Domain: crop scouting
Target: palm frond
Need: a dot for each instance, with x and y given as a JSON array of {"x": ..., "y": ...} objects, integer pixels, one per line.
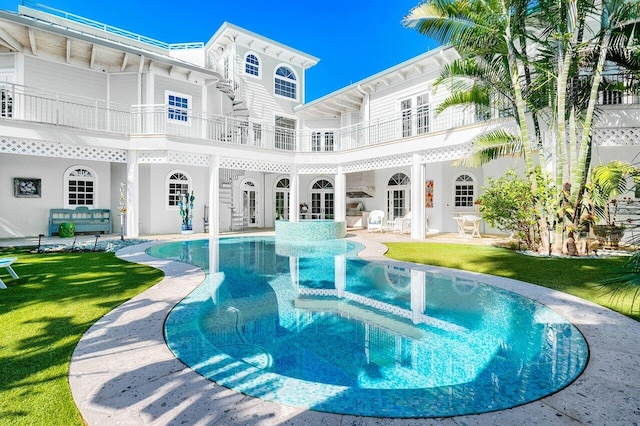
[
  {"x": 491, "y": 146},
  {"x": 626, "y": 283},
  {"x": 476, "y": 96}
]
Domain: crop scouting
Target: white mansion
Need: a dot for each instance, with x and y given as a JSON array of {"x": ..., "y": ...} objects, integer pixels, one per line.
[{"x": 95, "y": 116}]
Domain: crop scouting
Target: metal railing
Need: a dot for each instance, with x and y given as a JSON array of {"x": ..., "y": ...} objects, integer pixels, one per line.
[
  {"x": 111, "y": 29},
  {"x": 28, "y": 104}
]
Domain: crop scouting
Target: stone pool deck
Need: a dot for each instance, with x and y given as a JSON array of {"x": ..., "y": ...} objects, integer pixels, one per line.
[{"x": 123, "y": 373}]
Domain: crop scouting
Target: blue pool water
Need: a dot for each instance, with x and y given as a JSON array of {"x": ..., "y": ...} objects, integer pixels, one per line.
[{"x": 313, "y": 326}]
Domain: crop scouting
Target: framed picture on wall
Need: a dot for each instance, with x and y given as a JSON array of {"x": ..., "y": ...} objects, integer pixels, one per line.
[
  {"x": 27, "y": 187},
  {"x": 428, "y": 194}
]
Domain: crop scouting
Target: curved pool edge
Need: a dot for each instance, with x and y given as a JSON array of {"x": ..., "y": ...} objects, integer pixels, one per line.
[
  {"x": 189, "y": 343},
  {"x": 602, "y": 394}
]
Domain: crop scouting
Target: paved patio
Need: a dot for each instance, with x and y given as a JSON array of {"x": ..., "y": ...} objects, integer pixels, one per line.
[{"x": 123, "y": 373}]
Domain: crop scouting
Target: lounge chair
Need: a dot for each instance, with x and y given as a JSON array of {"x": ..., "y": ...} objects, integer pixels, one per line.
[
  {"x": 6, "y": 263},
  {"x": 375, "y": 221}
]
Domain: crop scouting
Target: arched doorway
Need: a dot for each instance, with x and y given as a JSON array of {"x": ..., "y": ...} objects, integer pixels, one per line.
[
  {"x": 282, "y": 198},
  {"x": 249, "y": 203},
  {"x": 398, "y": 196},
  {"x": 322, "y": 196}
]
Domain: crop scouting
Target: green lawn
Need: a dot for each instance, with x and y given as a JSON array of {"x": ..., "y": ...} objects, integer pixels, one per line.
[
  {"x": 577, "y": 276},
  {"x": 59, "y": 296},
  {"x": 43, "y": 314}
]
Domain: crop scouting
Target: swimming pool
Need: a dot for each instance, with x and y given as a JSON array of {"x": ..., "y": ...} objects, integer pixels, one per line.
[{"x": 316, "y": 327}]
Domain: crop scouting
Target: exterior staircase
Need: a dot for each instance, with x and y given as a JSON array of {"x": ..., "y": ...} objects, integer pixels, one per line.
[
  {"x": 233, "y": 89},
  {"x": 227, "y": 176}
]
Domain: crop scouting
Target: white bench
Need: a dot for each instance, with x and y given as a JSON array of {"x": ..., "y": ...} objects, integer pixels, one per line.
[{"x": 6, "y": 263}]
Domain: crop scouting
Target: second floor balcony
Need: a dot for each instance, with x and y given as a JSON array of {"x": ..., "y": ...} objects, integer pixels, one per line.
[{"x": 31, "y": 105}]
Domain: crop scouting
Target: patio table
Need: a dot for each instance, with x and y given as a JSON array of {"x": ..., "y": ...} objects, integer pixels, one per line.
[{"x": 6, "y": 263}]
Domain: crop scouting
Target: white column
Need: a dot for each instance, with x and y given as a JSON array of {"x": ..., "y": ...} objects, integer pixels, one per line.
[
  {"x": 340, "y": 263},
  {"x": 203, "y": 106},
  {"x": 418, "y": 296},
  {"x": 214, "y": 196},
  {"x": 340, "y": 197},
  {"x": 151, "y": 126},
  {"x": 133, "y": 191},
  {"x": 294, "y": 197},
  {"x": 418, "y": 226}
]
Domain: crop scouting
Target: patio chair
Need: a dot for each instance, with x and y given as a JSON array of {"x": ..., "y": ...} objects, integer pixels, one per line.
[
  {"x": 402, "y": 225},
  {"x": 6, "y": 263},
  {"x": 375, "y": 221}
]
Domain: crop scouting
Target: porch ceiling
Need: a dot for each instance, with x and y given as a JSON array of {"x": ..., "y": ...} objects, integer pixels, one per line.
[{"x": 81, "y": 47}]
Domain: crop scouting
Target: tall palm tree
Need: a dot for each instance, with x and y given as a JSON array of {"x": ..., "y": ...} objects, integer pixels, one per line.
[{"x": 546, "y": 59}]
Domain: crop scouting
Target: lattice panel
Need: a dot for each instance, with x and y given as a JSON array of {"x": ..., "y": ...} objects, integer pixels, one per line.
[
  {"x": 59, "y": 150},
  {"x": 152, "y": 157},
  {"x": 254, "y": 165},
  {"x": 448, "y": 153},
  {"x": 617, "y": 136},
  {"x": 188, "y": 159},
  {"x": 318, "y": 169},
  {"x": 379, "y": 163}
]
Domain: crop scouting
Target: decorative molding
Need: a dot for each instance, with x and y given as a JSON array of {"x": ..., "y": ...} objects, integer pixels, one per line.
[
  {"x": 60, "y": 150},
  {"x": 616, "y": 136},
  {"x": 448, "y": 153},
  {"x": 378, "y": 163},
  {"x": 317, "y": 169},
  {"x": 254, "y": 165}
]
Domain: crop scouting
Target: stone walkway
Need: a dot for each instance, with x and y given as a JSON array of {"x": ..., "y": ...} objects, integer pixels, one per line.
[{"x": 123, "y": 373}]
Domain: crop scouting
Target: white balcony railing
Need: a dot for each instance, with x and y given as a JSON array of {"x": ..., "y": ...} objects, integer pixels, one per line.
[{"x": 27, "y": 104}]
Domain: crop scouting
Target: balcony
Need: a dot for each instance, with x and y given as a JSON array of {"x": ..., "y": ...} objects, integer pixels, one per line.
[{"x": 26, "y": 104}]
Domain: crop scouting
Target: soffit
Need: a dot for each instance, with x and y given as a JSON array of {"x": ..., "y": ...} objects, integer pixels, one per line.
[{"x": 351, "y": 98}]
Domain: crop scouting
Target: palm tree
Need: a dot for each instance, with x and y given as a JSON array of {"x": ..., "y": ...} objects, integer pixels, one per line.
[{"x": 543, "y": 58}]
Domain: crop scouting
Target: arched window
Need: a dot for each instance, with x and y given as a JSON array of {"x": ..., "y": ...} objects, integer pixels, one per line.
[
  {"x": 80, "y": 187},
  {"x": 464, "y": 191},
  {"x": 252, "y": 65},
  {"x": 398, "y": 195},
  {"x": 178, "y": 183},
  {"x": 322, "y": 195},
  {"x": 286, "y": 83}
]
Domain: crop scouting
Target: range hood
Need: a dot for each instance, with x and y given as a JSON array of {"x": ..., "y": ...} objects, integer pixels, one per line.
[
  {"x": 361, "y": 191},
  {"x": 360, "y": 185}
]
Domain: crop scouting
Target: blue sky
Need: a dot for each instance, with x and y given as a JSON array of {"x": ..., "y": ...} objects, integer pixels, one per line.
[{"x": 353, "y": 39}]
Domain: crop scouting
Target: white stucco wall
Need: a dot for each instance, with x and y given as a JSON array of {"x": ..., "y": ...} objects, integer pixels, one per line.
[{"x": 25, "y": 217}]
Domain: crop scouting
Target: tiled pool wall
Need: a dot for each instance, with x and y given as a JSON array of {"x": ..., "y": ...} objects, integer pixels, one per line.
[{"x": 310, "y": 230}]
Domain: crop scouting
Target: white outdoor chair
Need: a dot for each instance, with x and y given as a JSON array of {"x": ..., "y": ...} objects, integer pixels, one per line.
[
  {"x": 402, "y": 225},
  {"x": 375, "y": 221}
]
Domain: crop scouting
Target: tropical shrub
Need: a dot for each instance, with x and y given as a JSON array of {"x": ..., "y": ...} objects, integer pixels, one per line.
[{"x": 509, "y": 205}]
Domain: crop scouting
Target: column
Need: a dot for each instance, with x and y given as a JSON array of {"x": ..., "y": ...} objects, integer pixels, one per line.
[
  {"x": 340, "y": 263},
  {"x": 418, "y": 295},
  {"x": 133, "y": 201},
  {"x": 214, "y": 196},
  {"x": 340, "y": 197},
  {"x": 418, "y": 226},
  {"x": 294, "y": 183}
]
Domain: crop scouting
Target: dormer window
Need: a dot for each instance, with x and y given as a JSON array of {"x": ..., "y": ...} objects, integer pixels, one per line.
[
  {"x": 252, "y": 65},
  {"x": 286, "y": 83}
]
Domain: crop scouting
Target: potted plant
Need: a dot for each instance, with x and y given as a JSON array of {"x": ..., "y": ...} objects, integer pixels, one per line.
[
  {"x": 186, "y": 212},
  {"x": 607, "y": 183}
]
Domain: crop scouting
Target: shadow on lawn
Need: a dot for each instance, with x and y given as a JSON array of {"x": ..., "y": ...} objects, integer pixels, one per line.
[{"x": 55, "y": 300}]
